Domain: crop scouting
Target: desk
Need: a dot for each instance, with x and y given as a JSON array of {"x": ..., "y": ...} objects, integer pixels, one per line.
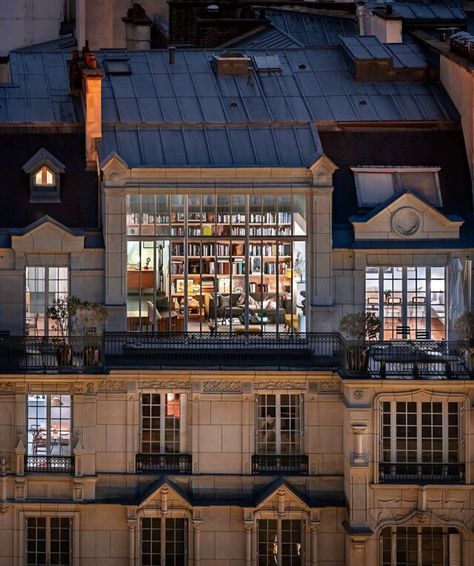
[{"x": 143, "y": 279}]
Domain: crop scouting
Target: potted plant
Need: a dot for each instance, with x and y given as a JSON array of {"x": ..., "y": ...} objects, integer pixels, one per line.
[
  {"x": 89, "y": 322},
  {"x": 464, "y": 330},
  {"x": 360, "y": 326},
  {"x": 61, "y": 313}
]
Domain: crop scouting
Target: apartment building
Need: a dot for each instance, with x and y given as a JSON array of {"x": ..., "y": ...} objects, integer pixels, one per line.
[{"x": 228, "y": 209}]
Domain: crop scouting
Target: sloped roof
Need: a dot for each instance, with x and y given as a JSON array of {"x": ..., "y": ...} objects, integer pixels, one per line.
[
  {"x": 270, "y": 146},
  {"x": 314, "y": 85},
  {"x": 443, "y": 11}
]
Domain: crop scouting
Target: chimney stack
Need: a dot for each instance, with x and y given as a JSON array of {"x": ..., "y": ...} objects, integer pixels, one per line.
[
  {"x": 360, "y": 13},
  {"x": 138, "y": 28},
  {"x": 85, "y": 79}
]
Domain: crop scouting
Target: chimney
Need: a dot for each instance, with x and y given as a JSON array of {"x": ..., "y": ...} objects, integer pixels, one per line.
[
  {"x": 92, "y": 75},
  {"x": 384, "y": 24},
  {"x": 138, "y": 28},
  {"x": 361, "y": 14}
]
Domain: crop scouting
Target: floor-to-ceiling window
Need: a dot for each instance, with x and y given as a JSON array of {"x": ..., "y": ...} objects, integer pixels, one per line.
[
  {"x": 410, "y": 301},
  {"x": 216, "y": 262},
  {"x": 43, "y": 285}
]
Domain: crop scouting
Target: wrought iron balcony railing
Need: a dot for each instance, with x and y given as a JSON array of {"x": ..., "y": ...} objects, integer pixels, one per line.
[
  {"x": 280, "y": 464},
  {"x": 390, "y": 472},
  {"x": 49, "y": 464},
  {"x": 418, "y": 359},
  {"x": 172, "y": 463}
]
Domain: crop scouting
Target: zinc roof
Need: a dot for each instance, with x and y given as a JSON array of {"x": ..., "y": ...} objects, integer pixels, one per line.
[
  {"x": 403, "y": 55},
  {"x": 429, "y": 11}
]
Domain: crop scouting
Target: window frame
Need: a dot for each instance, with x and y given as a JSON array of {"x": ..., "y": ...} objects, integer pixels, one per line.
[
  {"x": 395, "y": 171},
  {"x": 157, "y": 514},
  {"x": 181, "y": 431},
  {"x": 420, "y": 396},
  {"x": 279, "y": 520},
  {"x": 260, "y": 424},
  {"x": 48, "y": 419}
]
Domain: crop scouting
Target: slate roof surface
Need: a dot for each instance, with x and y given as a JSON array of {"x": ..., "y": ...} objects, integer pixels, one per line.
[
  {"x": 283, "y": 146},
  {"x": 369, "y": 48},
  {"x": 78, "y": 187},
  {"x": 429, "y": 10}
]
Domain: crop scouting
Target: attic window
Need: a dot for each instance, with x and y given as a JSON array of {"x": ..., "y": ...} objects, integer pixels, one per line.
[
  {"x": 376, "y": 185},
  {"x": 267, "y": 63},
  {"x": 117, "y": 66},
  {"x": 44, "y": 171},
  {"x": 44, "y": 177}
]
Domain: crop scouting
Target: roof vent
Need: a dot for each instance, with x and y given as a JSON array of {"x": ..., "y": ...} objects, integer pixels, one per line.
[
  {"x": 117, "y": 66},
  {"x": 267, "y": 63},
  {"x": 231, "y": 63}
]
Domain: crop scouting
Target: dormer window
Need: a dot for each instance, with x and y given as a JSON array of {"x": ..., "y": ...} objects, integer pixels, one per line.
[
  {"x": 44, "y": 171},
  {"x": 376, "y": 184},
  {"x": 44, "y": 177}
]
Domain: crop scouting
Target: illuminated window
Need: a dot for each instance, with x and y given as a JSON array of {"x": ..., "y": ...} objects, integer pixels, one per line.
[
  {"x": 44, "y": 177},
  {"x": 161, "y": 420}
]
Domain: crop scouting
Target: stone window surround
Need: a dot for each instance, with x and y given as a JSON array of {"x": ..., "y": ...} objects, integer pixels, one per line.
[
  {"x": 163, "y": 539},
  {"x": 420, "y": 396},
  {"x": 183, "y": 425},
  {"x": 42, "y": 511}
]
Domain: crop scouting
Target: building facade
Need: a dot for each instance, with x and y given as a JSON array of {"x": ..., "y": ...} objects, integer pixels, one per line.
[{"x": 229, "y": 210}]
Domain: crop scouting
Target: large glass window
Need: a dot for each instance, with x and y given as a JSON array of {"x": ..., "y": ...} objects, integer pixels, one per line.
[
  {"x": 43, "y": 285},
  {"x": 280, "y": 541},
  {"x": 410, "y": 301},
  {"x": 420, "y": 546},
  {"x": 420, "y": 440},
  {"x": 279, "y": 424},
  {"x": 163, "y": 542},
  {"x": 48, "y": 541},
  {"x": 216, "y": 262},
  {"x": 49, "y": 432}
]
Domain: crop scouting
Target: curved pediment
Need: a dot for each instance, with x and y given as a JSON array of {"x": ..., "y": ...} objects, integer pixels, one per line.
[{"x": 406, "y": 217}]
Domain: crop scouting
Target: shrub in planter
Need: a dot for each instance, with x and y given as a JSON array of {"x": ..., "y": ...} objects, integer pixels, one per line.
[{"x": 360, "y": 326}]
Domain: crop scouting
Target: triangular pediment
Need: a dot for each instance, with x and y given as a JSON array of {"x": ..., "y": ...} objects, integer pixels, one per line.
[
  {"x": 114, "y": 168},
  {"x": 322, "y": 170},
  {"x": 43, "y": 157},
  {"x": 406, "y": 217},
  {"x": 165, "y": 495},
  {"x": 47, "y": 235},
  {"x": 280, "y": 495}
]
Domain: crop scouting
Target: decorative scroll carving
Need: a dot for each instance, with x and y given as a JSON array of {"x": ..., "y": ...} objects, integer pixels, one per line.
[
  {"x": 329, "y": 387},
  {"x": 280, "y": 385},
  {"x": 113, "y": 386},
  {"x": 221, "y": 387},
  {"x": 7, "y": 387},
  {"x": 359, "y": 394}
]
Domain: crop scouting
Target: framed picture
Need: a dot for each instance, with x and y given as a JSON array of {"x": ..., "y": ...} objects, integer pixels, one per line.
[{"x": 180, "y": 286}]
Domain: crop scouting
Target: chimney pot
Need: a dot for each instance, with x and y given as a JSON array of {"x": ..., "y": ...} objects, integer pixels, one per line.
[{"x": 171, "y": 55}]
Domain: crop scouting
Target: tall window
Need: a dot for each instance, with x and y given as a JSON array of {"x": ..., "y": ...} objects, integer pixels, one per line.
[
  {"x": 410, "y": 301},
  {"x": 420, "y": 546},
  {"x": 48, "y": 541},
  {"x": 49, "y": 432},
  {"x": 43, "y": 285},
  {"x": 280, "y": 541},
  {"x": 164, "y": 542},
  {"x": 420, "y": 439},
  {"x": 279, "y": 426},
  {"x": 161, "y": 419},
  {"x": 216, "y": 262}
]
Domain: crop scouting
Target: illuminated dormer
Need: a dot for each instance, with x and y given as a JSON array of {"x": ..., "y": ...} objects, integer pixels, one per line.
[{"x": 44, "y": 171}]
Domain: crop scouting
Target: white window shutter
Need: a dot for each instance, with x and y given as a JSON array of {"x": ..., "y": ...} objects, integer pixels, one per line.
[{"x": 454, "y": 549}]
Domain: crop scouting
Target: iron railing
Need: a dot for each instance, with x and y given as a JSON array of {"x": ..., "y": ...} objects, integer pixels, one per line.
[
  {"x": 190, "y": 349},
  {"x": 42, "y": 353},
  {"x": 179, "y": 463},
  {"x": 417, "y": 359},
  {"x": 405, "y": 472},
  {"x": 280, "y": 464},
  {"x": 56, "y": 464}
]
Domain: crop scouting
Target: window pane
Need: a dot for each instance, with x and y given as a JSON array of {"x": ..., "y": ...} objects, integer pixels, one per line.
[
  {"x": 373, "y": 188},
  {"x": 422, "y": 183}
]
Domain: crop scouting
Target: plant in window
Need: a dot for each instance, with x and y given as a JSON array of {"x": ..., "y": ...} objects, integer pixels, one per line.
[
  {"x": 360, "y": 326},
  {"x": 61, "y": 313},
  {"x": 464, "y": 329}
]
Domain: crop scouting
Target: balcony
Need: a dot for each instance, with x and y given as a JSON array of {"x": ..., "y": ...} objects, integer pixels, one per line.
[
  {"x": 23, "y": 354},
  {"x": 169, "y": 463},
  {"x": 280, "y": 464},
  {"x": 49, "y": 464},
  {"x": 421, "y": 473},
  {"x": 415, "y": 359},
  {"x": 188, "y": 349}
]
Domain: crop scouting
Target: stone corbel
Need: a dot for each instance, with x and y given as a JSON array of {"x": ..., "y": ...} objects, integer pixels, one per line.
[
  {"x": 78, "y": 453},
  {"x": 359, "y": 458},
  {"x": 20, "y": 452}
]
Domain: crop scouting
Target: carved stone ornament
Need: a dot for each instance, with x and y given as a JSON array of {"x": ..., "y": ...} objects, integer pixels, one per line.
[
  {"x": 406, "y": 221},
  {"x": 113, "y": 386},
  {"x": 301, "y": 385},
  {"x": 7, "y": 387},
  {"x": 359, "y": 394},
  {"x": 328, "y": 387},
  {"x": 165, "y": 384},
  {"x": 221, "y": 387},
  {"x": 21, "y": 388}
]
